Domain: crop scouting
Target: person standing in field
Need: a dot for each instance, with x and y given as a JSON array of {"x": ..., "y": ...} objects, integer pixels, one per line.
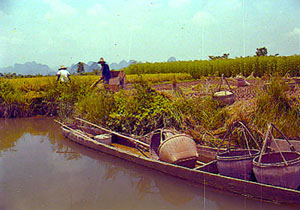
[
  {"x": 105, "y": 71},
  {"x": 63, "y": 74}
]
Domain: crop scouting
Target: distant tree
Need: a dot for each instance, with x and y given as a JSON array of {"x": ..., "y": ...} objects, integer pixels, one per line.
[
  {"x": 224, "y": 56},
  {"x": 80, "y": 68},
  {"x": 261, "y": 51}
]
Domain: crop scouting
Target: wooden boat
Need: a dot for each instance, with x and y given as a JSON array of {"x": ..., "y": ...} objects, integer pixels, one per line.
[{"x": 135, "y": 151}]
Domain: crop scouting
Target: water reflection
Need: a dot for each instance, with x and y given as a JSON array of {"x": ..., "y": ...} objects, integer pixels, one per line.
[
  {"x": 11, "y": 131},
  {"x": 39, "y": 169},
  {"x": 145, "y": 181}
]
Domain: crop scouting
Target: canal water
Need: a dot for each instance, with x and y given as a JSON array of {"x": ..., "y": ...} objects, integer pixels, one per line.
[{"x": 41, "y": 170}]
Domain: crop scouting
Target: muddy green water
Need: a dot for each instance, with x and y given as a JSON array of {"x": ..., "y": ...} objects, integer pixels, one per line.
[{"x": 40, "y": 169}]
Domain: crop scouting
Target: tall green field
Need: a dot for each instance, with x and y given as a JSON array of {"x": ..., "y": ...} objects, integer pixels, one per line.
[{"x": 258, "y": 65}]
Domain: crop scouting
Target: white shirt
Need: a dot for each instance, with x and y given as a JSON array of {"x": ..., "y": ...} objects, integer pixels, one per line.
[{"x": 63, "y": 75}]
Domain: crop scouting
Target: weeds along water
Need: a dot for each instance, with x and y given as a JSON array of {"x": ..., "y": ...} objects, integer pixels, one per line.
[{"x": 141, "y": 109}]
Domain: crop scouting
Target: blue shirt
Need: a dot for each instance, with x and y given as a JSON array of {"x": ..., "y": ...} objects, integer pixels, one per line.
[{"x": 106, "y": 72}]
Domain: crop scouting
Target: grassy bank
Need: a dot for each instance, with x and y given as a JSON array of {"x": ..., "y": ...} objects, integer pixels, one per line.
[
  {"x": 141, "y": 109},
  {"x": 24, "y": 97}
]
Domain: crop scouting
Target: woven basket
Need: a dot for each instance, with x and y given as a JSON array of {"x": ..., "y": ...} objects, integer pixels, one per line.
[
  {"x": 240, "y": 82},
  {"x": 179, "y": 149},
  {"x": 272, "y": 170},
  {"x": 225, "y": 97},
  {"x": 237, "y": 163}
]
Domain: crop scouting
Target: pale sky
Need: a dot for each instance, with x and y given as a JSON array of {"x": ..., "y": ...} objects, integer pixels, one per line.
[{"x": 62, "y": 32}]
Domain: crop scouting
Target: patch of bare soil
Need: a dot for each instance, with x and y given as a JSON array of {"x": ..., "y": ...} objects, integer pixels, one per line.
[
  {"x": 207, "y": 86},
  {"x": 211, "y": 84}
]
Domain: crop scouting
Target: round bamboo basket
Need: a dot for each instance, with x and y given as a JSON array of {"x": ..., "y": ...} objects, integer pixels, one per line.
[
  {"x": 237, "y": 163},
  {"x": 179, "y": 149},
  {"x": 226, "y": 97},
  {"x": 274, "y": 171},
  {"x": 240, "y": 82}
]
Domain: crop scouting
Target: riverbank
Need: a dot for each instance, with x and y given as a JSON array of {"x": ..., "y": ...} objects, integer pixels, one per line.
[{"x": 142, "y": 107}]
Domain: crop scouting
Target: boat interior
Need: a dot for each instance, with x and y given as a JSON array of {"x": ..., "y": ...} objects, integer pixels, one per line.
[
  {"x": 140, "y": 148},
  {"x": 129, "y": 145}
]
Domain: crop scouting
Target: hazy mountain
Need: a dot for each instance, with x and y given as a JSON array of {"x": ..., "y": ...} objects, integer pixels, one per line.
[
  {"x": 122, "y": 64},
  {"x": 91, "y": 62},
  {"x": 7, "y": 70},
  {"x": 93, "y": 66},
  {"x": 172, "y": 59},
  {"x": 114, "y": 66},
  {"x": 32, "y": 68}
]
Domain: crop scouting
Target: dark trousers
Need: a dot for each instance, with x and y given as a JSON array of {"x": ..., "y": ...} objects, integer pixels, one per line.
[{"x": 106, "y": 80}]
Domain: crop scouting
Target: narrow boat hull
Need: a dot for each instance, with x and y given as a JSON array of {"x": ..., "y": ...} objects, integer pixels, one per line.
[{"x": 206, "y": 175}]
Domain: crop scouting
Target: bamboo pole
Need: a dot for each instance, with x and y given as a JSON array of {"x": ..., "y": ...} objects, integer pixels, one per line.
[
  {"x": 116, "y": 133},
  {"x": 292, "y": 148}
]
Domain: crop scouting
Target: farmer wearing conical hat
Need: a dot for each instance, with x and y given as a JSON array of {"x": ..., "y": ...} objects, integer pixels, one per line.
[
  {"x": 105, "y": 71},
  {"x": 63, "y": 74}
]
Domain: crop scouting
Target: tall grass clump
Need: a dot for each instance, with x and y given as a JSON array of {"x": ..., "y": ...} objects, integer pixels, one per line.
[
  {"x": 96, "y": 106},
  {"x": 13, "y": 103},
  {"x": 60, "y": 98},
  {"x": 202, "y": 117},
  {"x": 274, "y": 106}
]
